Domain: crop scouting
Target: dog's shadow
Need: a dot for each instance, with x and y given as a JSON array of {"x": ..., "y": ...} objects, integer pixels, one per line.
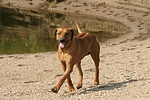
[{"x": 109, "y": 86}]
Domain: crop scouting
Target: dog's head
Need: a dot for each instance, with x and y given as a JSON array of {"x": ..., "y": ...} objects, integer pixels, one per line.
[{"x": 64, "y": 36}]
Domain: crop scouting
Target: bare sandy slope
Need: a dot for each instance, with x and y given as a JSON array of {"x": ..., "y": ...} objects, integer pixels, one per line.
[{"x": 124, "y": 66}]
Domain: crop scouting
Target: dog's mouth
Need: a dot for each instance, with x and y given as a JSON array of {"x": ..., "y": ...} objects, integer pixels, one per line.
[{"x": 63, "y": 44}]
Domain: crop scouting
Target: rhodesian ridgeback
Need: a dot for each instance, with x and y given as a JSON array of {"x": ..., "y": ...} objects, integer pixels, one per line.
[{"x": 71, "y": 50}]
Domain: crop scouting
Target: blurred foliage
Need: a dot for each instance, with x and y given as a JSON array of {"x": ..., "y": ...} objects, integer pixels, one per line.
[
  {"x": 23, "y": 33},
  {"x": 12, "y": 44}
]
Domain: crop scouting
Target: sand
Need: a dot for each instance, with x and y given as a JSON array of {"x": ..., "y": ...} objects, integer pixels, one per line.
[{"x": 124, "y": 66}]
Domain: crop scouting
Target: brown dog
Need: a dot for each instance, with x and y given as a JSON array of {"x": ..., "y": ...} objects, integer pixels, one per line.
[{"x": 71, "y": 50}]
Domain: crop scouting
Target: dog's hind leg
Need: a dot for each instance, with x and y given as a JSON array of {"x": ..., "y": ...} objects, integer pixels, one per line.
[
  {"x": 80, "y": 75},
  {"x": 95, "y": 56},
  {"x": 96, "y": 61}
]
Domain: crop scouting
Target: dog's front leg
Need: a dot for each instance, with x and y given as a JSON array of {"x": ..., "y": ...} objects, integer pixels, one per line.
[
  {"x": 71, "y": 88},
  {"x": 66, "y": 74}
]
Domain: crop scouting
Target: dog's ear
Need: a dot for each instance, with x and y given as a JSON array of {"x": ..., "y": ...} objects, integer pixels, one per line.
[
  {"x": 55, "y": 32},
  {"x": 72, "y": 33}
]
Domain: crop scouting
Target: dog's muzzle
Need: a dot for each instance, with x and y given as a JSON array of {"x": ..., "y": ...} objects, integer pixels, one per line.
[{"x": 63, "y": 43}]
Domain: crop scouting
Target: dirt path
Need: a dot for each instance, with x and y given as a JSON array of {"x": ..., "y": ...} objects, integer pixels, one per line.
[{"x": 124, "y": 67}]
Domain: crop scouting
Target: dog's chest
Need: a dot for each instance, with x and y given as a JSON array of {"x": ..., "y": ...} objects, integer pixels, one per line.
[
  {"x": 64, "y": 60},
  {"x": 63, "y": 57}
]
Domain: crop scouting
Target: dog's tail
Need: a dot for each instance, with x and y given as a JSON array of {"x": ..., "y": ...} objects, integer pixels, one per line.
[{"x": 79, "y": 30}]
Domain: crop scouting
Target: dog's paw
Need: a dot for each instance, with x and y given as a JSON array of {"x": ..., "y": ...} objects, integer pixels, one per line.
[
  {"x": 96, "y": 82},
  {"x": 79, "y": 86},
  {"x": 54, "y": 90},
  {"x": 72, "y": 89}
]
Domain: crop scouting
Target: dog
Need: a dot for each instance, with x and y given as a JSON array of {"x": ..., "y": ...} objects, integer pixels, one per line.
[{"x": 71, "y": 50}]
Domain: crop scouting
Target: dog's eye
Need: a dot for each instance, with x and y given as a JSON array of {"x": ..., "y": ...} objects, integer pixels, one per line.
[
  {"x": 67, "y": 34},
  {"x": 59, "y": 33}
]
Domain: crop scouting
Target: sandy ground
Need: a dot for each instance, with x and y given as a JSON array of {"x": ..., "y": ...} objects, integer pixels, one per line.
[{"x": 124, "y": 66}]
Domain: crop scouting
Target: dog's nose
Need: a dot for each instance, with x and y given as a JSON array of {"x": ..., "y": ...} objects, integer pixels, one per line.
[{"x": 62, "y": 40}]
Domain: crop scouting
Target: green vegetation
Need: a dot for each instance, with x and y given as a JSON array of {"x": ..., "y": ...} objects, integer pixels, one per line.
[
  {"x": 27, "y": 32},
  {"x": 12, "y": 44}
]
